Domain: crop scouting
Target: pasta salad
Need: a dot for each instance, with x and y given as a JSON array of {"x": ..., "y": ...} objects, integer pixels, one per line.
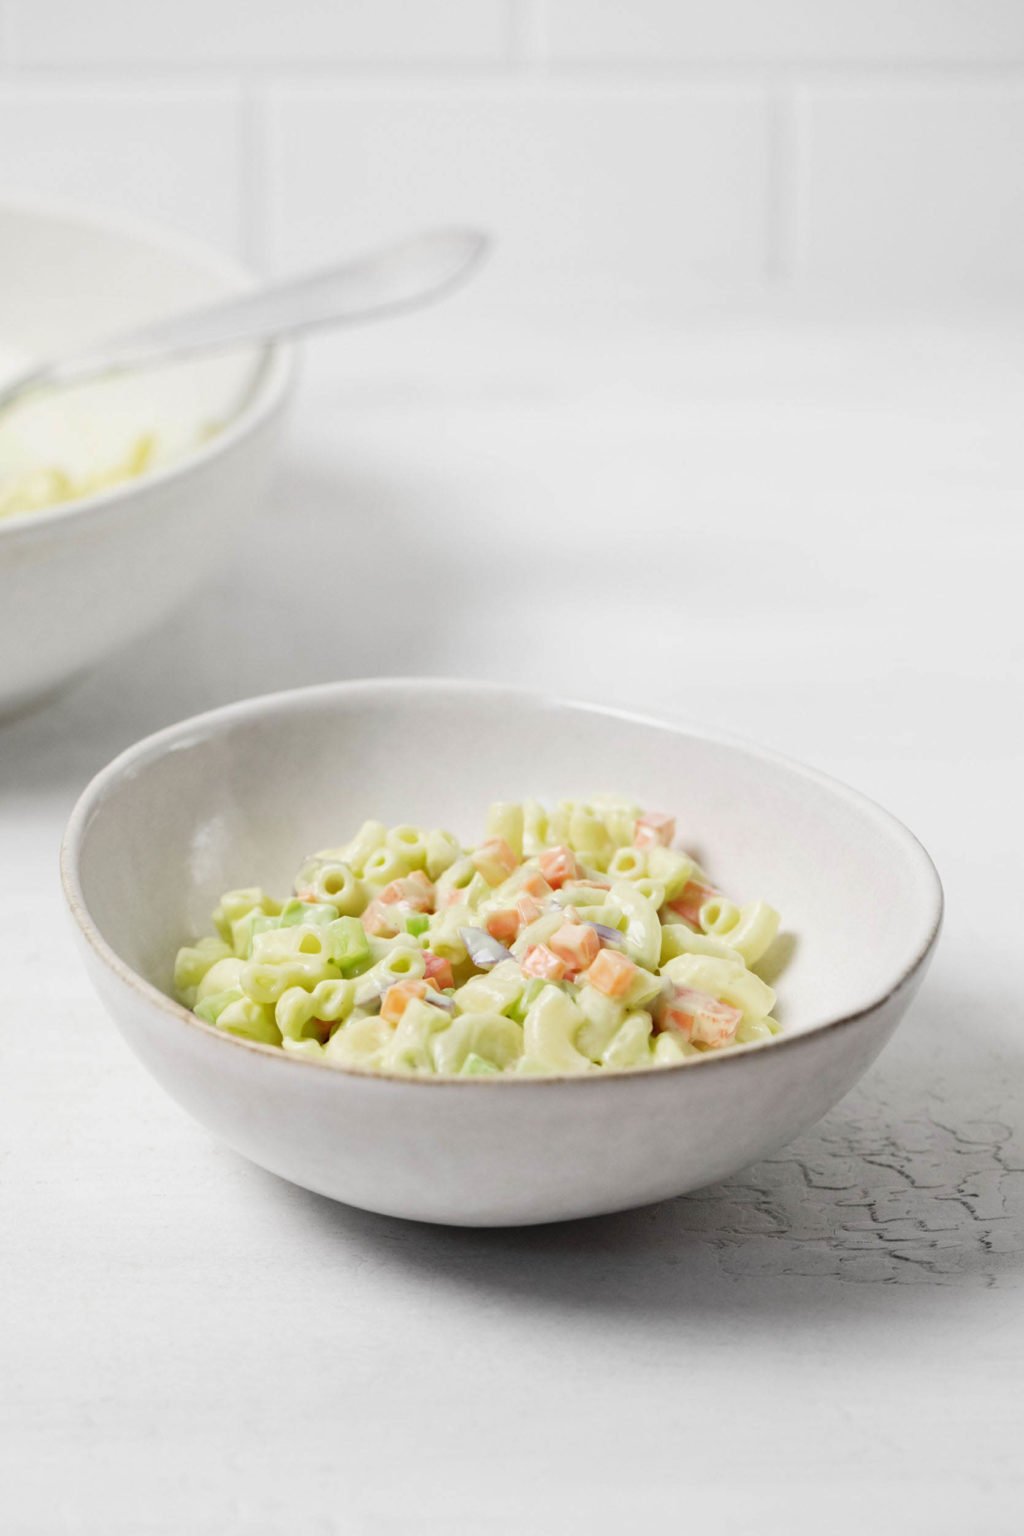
[
  {"x": 35, "y": 490},
  {"x": 572, "y": 942}
]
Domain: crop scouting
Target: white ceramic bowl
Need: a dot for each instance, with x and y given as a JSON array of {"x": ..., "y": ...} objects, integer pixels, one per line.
[
  {"x": 239, "y": 796},
  {"x": 78, "y": 580}
]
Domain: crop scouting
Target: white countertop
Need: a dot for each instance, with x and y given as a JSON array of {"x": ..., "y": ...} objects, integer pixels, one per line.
[{"x": 805, "y": 533}]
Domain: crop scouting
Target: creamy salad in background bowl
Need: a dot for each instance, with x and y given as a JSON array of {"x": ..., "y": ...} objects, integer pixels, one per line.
[
  {"x": 118, "y": 497},
  {"x": 65, "y": 446}
]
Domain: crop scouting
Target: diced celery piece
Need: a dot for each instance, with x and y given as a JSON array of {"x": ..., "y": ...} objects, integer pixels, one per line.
[
  {"x": 417, "y": 923},
  {"x": 476, "y": 1066},
  {"x": 235, "y": 904},
  {"x": 260, "y": 923},
  {"x": 211, "y": 1008},
  {"x": 521, "y": 1007},
  {"x": 347, "y": 945}
]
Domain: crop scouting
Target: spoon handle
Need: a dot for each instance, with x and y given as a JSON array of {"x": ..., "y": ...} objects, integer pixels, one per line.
[{"x": 401, "y": 277}]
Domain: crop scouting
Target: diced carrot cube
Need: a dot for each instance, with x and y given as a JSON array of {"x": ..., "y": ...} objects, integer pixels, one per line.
[
  {"x": 541, "y": 961},
  {"x": 558, "y": 865},
  {"x": 611, "y": 973},
  {"x": 438, "y": 971},
  {"x": 494, "y": 860},
  {"x": 533, "y": 884},
  {"x": 716, "y": 1026},
  {"x": 420, "y": 892},
  {"x": 690, "y": 901},
  {"x": 528, "y": 908},
  {"x": 397, "y": 997},
  {"x": 380, "y": 921},
  {"x": 577, "y": 945},
  {"x": 699, "y": 1017},
  {"x": 654, "y": 830},
  {"x": 415, "y": 891},
  {"x": 503, "y": 925}
]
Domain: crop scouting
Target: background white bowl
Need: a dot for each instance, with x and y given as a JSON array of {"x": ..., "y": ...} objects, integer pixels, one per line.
[
  {"x": 238, "y": 796},
  {"x": 78, "y": 580}
]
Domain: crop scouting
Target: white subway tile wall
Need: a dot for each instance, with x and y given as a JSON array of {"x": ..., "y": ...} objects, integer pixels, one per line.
[
  {"x": 592, "y": 193},
  {"x": 630, "y": 151},
  {"x": 913, "y": 188},
  {"x": 170, "y": 154},
  {"x": 109, "y": 33},
  {"x": 787, "y": 31}
]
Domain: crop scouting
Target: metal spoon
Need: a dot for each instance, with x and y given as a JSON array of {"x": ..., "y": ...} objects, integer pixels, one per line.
[{"x": 388, "y": 282}]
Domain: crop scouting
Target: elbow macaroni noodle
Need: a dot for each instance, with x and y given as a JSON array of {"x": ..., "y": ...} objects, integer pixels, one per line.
[{"x": 567, "y": 942}]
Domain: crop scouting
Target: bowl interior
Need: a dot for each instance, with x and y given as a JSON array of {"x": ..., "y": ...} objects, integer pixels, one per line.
[
  {"x": 67, "y": 280},
  {"x": 240, "y": 796}
]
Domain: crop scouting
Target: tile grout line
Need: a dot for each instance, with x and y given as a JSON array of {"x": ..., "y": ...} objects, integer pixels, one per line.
[
  {"x": 792, "y": 234},
  {"x": 7, "y": 39},
  {"x": 528, "y": 28},
  {"x": 781, "y": 177},
  {"x": 77, "y": 85},
  {"x": 253, "y": 169},
  {"x": 870, "y": 70},
  {"x": 526, "y": 55}
]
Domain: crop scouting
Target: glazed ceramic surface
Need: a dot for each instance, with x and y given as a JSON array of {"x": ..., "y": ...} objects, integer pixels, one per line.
[
  {"x": 237, "y": 797},
  {"x": 78, "y": 580}
]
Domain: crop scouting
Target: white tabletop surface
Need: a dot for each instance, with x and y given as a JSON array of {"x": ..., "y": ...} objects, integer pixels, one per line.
[{"x": 809, "y": 534}]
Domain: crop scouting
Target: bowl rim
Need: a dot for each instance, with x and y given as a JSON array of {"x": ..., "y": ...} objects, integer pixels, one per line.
[
  {"x": 272, "y": 375},
  {"x": 155, "y": 746}
]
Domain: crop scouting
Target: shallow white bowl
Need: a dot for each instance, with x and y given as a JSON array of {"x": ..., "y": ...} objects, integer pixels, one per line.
[
  {"x": 76, "y": 581},
  {"x": 239, "y": 796}
]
